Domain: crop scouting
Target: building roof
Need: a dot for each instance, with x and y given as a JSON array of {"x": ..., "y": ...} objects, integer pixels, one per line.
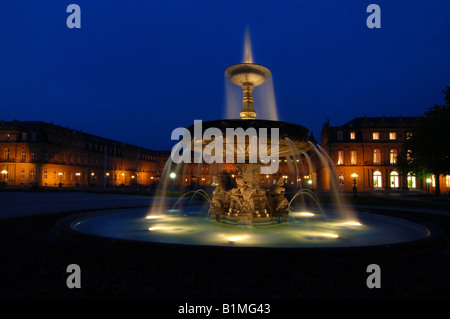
[
  {"x": 378, "y": 122},
  {"x": 44, "y": 129}
]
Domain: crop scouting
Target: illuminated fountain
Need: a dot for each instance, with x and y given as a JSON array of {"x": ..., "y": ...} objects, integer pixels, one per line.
[{"x": 248, "y": 214}]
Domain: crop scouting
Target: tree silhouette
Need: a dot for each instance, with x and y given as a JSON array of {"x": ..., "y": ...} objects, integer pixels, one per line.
[{"x": 427, "y": 151}]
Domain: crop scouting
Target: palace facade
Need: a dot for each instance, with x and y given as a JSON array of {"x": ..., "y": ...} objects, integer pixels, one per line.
[
  {"x": 365, "y": 150},
  {"x": 43, "y": 154}
]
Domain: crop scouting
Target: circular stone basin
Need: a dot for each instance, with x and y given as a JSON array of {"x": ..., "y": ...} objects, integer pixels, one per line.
[{"x": 304, "y": 230}]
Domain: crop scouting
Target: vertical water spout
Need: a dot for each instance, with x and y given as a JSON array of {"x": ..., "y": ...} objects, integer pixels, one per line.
[{"x": 248, "y": 53}]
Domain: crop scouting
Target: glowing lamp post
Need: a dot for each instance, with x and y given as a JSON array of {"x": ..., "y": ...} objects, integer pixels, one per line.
[
  {"x": 4, "y": 173},
  {"x": 60, "y": 176},
  {"x": 172, "y": 177},
  {"x": 428, "y": 185},
  {"x": 355, "y": 176}
]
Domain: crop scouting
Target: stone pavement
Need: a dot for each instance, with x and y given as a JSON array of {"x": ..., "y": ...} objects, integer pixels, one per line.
[{"x": 17, "y": 204}]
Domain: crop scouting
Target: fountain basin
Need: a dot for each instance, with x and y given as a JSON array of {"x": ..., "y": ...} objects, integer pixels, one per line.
[{"x": 301, "y": 232}]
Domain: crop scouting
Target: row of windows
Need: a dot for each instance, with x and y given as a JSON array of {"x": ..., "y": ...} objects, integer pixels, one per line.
[
  {"x": 377, "y": 180},
  {"x": 376, "y": 157},
  {"x": 23, "y": 155},
  {"x": 375, "y": 135},
  {"x": 13, "y": 136},
  {"x": 71, "y": 157}
]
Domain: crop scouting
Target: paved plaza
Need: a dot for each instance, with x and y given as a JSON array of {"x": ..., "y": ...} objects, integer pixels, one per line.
[{"x": 18, "y": 204}]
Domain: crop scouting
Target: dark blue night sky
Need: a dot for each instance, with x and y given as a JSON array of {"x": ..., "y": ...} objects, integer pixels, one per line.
[{"x": 138, "y": 69}]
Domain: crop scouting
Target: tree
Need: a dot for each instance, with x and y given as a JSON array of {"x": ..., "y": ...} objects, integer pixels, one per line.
[{"x": 427, "y": 151}]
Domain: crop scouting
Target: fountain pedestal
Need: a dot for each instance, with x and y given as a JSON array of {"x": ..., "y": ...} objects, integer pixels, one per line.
[{"x": 247, "y": 203}]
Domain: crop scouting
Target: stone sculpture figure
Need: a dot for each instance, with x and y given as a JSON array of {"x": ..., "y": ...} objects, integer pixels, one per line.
[
  {"x": 247, "y": 199},
  {"x": 220, "y": 198},
  {"x": 277, "y": 191}
]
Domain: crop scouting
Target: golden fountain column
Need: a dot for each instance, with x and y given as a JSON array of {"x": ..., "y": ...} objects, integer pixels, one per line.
[{"x": 247, "y": 75}]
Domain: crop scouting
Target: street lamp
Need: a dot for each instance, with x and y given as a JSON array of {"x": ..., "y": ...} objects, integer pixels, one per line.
[
  {"x": 428, "y": 185},
  {"x": 4, "y": 173},
  {"x": 172, "y": 176},
  {"x": 60, "y": 176},
  {"x": 354, "y": 175}
]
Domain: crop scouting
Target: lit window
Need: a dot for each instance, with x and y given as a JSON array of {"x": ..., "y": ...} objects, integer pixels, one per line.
[
  {"x": 393, "y": 156},
  {"x": 340, "y": 158},
  {"x": 341, "y": 179},
  {"x": 353, "y": 157},
  {"x": 352, "y": 135},
  {"x": 409, "y": 135},
  {"x": 31, "y": 173},
  {"x": 377, "y": 179},
  {"x": 22, "y": 173},
  {"x": 375, "y": 135},
  {"x": 411, "y": 181},
  {"x": 376, "y": 156},
  {"x": 447, "y": 180},
  {"x": 392, "y": 135},
  {"x": 433, "y": 181},
  {"x": 340, "y": 136},
  {"x": 394, "y": 179}
]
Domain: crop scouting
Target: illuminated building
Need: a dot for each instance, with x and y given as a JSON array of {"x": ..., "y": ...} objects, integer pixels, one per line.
[
  {"x": 365, "y": 151},
  {"x": 42, "y": 154}
]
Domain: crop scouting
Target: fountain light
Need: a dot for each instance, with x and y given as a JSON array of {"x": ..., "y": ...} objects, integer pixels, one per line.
[
  {"x": 152, "y": 217},
  {"x": 303, "y": 214},
  {"x": 330, "y": 235},
  {"x": 353, "y": 223},
  {"x": 233, "y": 239}
]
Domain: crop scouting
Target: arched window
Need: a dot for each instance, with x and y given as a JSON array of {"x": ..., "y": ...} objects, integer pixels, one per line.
[
  {"x": 411, "y": 181},
  {"x": 393, "y": 156},
  {"x": 377, "y": 156},
  {"x": 377, "y": 179},
  {"x": 394, "y": 179}
]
